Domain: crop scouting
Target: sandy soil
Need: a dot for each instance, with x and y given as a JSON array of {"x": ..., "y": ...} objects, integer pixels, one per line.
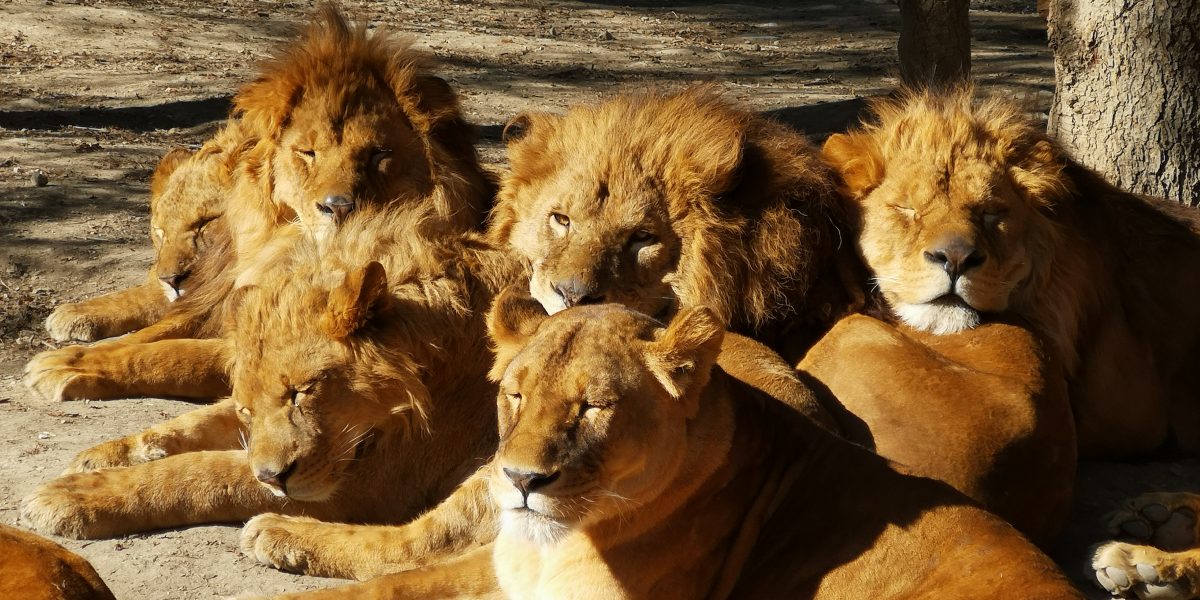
[{"x": 92, "y": 92}]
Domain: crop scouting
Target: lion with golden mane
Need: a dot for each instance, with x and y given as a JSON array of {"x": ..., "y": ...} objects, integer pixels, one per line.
[
  {"x": 359, "y": 394},
  {"x": 971, "y": 212},
  {"x": 343, "y": 121},
  {"x": 631, "y": 466}
]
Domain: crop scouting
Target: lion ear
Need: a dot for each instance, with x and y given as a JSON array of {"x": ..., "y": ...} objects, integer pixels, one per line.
[
  {"x": 352, "y": 304},
  {"x": 856, "y": 159},
  {"x": 166, "y": 166},
  {"x": 517, "y": 128},
  {"x": 515, "y": 316},
  {"x": 683, "y": 354}
]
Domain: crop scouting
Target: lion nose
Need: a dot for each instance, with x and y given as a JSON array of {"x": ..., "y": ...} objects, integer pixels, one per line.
[
  {"x": 336, "y": 206},
  {"x": 529, "y": 481},
  {"x": 575, "y": 292},
  {"x": 956, "y": 256},
  {"x": 275, "y": 477},
  {"x": 172, "y": 280}
]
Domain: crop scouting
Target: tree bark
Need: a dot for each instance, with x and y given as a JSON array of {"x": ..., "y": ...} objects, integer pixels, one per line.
[
  {"x": 1128, "y": 91},
  {"x": 935, "y": 42}
]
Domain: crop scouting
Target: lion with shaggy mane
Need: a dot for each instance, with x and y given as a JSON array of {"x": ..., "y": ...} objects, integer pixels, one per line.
[
  {"x": 343, "y": 121},
  {"x": 971, "y": 212}
]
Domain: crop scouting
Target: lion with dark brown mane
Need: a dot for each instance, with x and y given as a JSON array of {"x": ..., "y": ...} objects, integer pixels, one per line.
[
  {"x": 343, "y": 121},
  {"x": 970, "y": 211}
]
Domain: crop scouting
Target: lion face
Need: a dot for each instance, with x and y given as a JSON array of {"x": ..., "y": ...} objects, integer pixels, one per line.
[
  {"x": 311, "y": 398},
  {"x": 951, "y": 221},
  {"x": 593, "y": 410},
  {"x": 186, "y": 196}
]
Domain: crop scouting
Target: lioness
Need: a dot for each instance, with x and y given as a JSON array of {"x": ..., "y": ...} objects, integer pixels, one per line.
[
  {"x": 359, "y": 394},
  {"x": 343, "y": 121},
  {"x": 630, "y": 467},
  {"x": 970, "y": 211},
  {"x": 187, "y": 194}
]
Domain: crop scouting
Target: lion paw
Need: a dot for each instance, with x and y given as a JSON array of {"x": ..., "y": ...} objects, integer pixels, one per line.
[
  {"x": 55, "y": 510},
  {"x": 124, "y": 452},
  {"x": 57, "y": 376},
  {"x": 269, "y": 539},
  {"x": 70, "y": 322},
  {"x": 1141, "y": 572},
  {"x": 1166, "y": 520}
]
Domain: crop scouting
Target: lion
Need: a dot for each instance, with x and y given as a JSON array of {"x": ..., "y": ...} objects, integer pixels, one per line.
[
  {"x": 664, "y": 201},
  {"x": 970, "y": 212},
  {"x": 359, "y": 394},
  {"x": 619, "y": 437},
  {"x": 187, "y": 196},
  {"x": 985, "y": 410},
  {"x": 343, "y": 122},
  {"x": 37, "y": 569}
]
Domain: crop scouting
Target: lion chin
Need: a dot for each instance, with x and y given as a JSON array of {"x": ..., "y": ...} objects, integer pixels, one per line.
[
  {"x": 940, "y": 317},
  {"x": 533, "y": 526}
]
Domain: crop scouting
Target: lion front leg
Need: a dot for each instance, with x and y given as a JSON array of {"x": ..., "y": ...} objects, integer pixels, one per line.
[
  {"x": 214, "y": 427},
  {"x": 189, "y": 489},
  {"x": 109, "y": 315},
  {"x": 466, "y": 519},
  {"x": 1164, "y": 519},
  {"x": 1145, "y": 572},
  {"x": 186, "y": 368}
]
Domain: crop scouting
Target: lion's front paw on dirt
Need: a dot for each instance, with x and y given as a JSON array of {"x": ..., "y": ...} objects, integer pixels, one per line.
[
  {"x": 69, "y": 323},
  {"x": 54, "y": 375},
  {"x": 269, "y": 540},
  {"x": 1164, "y": 519},
  {"x": 52, "y": 510},
  {"x": 117, "y": 453},
  {"x": 1138, "y": 572}
]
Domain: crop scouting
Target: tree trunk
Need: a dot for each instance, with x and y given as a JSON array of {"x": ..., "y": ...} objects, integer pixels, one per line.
[
  {"x": 935, "y": 42},
  {"x": 1128, "y": 91}
]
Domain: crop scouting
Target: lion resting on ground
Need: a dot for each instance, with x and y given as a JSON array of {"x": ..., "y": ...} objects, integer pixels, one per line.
[
  {"x": 984, "y": 410},
  {"x": 971, "y": 212},
  {"x": 35, "y": 568},
  {"x": 630, "y": 467},
  {"x": 359, "y": 393},
  {"x": 343, "y": 121},
  {"x": 187, "y": 194}
]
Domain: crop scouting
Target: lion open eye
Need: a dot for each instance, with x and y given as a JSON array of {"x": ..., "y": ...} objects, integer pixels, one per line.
[
  {"x": 380, "y": 158},
  {"x": 560, "y": 223}
]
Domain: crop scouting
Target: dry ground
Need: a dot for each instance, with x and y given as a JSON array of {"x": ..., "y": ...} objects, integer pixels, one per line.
[{"x": 92, "y": 92}]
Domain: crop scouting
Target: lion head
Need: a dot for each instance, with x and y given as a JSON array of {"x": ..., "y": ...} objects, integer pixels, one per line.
[
  {"x": 955, "y": 201},
  {"x": 593, "y": 408},
  {"x": 348, "y": 120},
  {"x": 187, "y": 195},
  {"x": 666, "y": 201}
]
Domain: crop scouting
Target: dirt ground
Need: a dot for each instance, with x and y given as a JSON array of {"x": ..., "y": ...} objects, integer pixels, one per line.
[{"x": 92, "y": 92}]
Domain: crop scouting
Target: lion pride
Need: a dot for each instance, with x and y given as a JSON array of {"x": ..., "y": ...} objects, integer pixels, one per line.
[
  {"x": 359, "y": 394},
  {"x": 187, "y": 196},
  {"x": 344, "y": 121},
  {"x": 630, "y": 466},
  {"x": 970, "y": 211}
]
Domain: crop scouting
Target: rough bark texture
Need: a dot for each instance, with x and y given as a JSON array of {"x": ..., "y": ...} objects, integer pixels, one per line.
[
  {"x": 1128, "y": 98},
  {"x": 935, "y": 42}
]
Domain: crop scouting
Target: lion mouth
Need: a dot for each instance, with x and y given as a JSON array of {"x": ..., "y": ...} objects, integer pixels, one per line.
[{"x": 950, "y": 300}]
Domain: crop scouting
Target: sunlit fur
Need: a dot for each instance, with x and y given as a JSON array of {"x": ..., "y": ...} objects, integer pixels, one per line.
[
  {"x": 187, "y": 196},
  {"x": 673, "y": 200},
  {"x": 1103, "y": 275}
]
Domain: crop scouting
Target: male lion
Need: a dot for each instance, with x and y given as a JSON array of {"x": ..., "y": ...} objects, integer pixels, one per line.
[
  {"x": 630, "y": 467},
  {"x": 359, "y": 393},
  {"x": 667, "y": 201},
  {"x": 187, "y": 194},
  {"x": 970, "y": 211},
  {"x": 343, "y": 121}
]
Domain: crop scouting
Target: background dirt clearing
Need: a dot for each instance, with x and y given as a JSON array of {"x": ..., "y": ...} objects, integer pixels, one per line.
[{"x": 92, "y": 93}]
